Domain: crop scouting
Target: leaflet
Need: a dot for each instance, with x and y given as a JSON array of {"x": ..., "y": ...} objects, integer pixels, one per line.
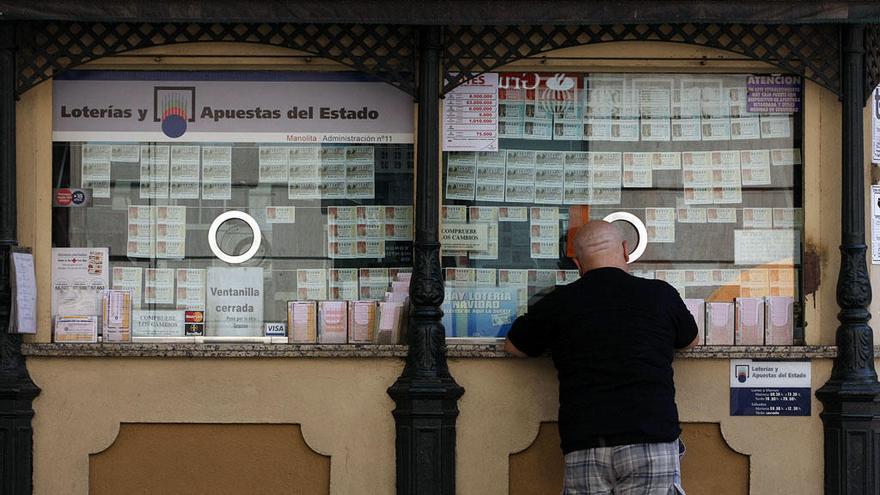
[
  {"x": 216, "y": 172},
  {"x": 698, "y": 195},
  {"x": 452, "y": 213},
  {"x": 126, "y": 153},
  {"x": 491, "y": 252},
  {"x": 760, "y": 246},
  {"x": 191, "y": 289},
  {"x": 567, "y": 131},
  {"x": 159, "y": 286},
  {"x": 280, "y": 214},
  {"x": 686, "y": 129},
  {"x": 171, "y": 232},
  {"x": 597, "y": 130},
  {"x": 655, "y": 129},
  {"x": 184, "y": 182},
  {"x": 660, "y": 224},
  {"x": 721, "y": 215},
  {"x": 625, "y": 130},
  {"x": 186, "y": 155},
  {"x": 304, "y": 155},
  {"x": 785, "y": 156},
  {"x": 757, "y": 218},
  {"x": 745, "y": 128},
  {"x": 637, "y": 170},
  {"x": 155, "y": 155},
  {"x": 510, "y": 128},
  {"x": 788, "y": 218},
  {"x": 715, "y": 129},
  {"x": 460, "y": 190},
  {"x": 513, "y": 214},
  {"x": 692, "y": 215},
  {"x": 666, "y": 160},
  {"x": 343, "y": 284},
  {"x": 96, "y": 169},
  {"x": 141, "y": 232},
  {"x": 311, "y": 284},
  {"x": 775, "y": 127},
  {"x": 273, "y": 164},
  {"x": 727, "y": 195},
  {"x": 755, "y": 167},
  {"x": 131, "y": 278},
  {"x": 754, "y": 282},
  {"x": 373, "y": 283}
]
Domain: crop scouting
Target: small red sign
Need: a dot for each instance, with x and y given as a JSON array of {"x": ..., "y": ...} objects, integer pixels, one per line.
[{"x": 63, "y": 197}]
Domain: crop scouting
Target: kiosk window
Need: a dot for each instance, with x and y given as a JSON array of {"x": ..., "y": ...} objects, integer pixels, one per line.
[
  {"x": 709, "y": 163},
  {"x": 319, "y": 167}
]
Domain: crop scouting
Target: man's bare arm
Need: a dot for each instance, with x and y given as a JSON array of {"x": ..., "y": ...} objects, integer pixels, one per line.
[
  {"x": 693, "y": 343},
  {"x": 511, "y": 349}
]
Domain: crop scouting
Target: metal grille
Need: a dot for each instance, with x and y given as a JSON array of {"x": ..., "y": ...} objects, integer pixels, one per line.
[
  {"x": 47, "y": 49},
  {"x": 810, "y": 50},
  {"x": 872, "y": 58}
]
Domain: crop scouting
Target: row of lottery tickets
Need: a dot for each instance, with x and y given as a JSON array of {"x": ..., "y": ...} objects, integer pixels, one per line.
[
  {"x": 596, "y": 177},
  {"x": 729, "y": 283},
  {"x": 194, "y": 171},
  {"x": 185, "y": 288},
  {"x": 660, "y": 223},
  {"x": 633, "y": 108}
]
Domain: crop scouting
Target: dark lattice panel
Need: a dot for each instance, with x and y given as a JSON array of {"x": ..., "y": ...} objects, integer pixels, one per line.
[
  {"x": 809, "y": 50},
  {"x": 47, "y": 49},
  {"x": 872, "y": 58}
]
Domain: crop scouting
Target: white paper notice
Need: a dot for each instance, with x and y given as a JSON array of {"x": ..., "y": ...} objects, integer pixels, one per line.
[
  {"x": 24, "y": 287},
  {"x": 875, "y": 225},
  {"x": 875, "y": 131},
  {"x": 79, "y": 275},
  {"x": 470, "y": 115},
  {"x": 216, "y": 172},
  {"x": 235, "y": 301},
  {"x": 759, "y": 246}
]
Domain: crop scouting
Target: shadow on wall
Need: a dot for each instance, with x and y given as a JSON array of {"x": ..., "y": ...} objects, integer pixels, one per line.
[
  {"x": 709, "y": 466},
  {"x": 218, "y": 459}
]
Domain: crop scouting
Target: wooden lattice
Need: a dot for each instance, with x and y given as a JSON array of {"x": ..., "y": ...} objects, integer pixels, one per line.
[
  {"x": 48, "y": 48},
  {"x": 810, "y": 50},
  {"x": 872, "y": 58}
]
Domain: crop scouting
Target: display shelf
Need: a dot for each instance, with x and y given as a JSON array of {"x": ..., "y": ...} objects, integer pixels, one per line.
[{"x": 454, "y": 351}]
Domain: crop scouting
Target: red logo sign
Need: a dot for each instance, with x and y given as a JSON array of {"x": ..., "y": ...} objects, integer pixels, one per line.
[{"x": 63, "y": 197}]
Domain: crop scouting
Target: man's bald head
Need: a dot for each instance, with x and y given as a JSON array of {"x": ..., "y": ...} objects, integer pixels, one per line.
[{"x": 598, "y": 244}]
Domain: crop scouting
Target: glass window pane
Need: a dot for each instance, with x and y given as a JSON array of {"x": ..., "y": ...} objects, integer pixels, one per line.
[{"x": 719, "y": 189}]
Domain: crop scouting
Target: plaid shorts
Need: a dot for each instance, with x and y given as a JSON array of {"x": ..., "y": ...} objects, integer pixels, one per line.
[{"x": 639, "y": 469}]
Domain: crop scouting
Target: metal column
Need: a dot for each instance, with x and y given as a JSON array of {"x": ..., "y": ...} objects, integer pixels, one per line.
[
  {"x": 17, "y": 391},
  {"x": 851, "y": 415},
  {"x": 425, "y": 394}
]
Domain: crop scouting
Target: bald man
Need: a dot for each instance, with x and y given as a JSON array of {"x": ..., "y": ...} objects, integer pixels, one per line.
[{"x": 612, "y": 337}]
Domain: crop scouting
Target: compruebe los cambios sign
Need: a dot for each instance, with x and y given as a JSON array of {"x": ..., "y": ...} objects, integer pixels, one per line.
[{"x": 229, "y": 107}]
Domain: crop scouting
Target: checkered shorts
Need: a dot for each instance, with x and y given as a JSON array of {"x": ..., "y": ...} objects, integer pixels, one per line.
[{"x": 639, "y": 469}]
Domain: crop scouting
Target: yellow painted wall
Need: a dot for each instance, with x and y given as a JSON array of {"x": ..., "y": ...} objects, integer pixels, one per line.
[
  {"x": 502, "y": 414},
  {"x": 341, "y": 403}
]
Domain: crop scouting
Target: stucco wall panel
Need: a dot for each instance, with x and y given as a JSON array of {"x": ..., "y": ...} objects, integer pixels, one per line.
[{"x": 341, "y": 405}]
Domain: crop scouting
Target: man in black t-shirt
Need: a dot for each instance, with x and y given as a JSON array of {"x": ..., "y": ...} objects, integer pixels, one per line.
[{"x": 612, "y": 337}]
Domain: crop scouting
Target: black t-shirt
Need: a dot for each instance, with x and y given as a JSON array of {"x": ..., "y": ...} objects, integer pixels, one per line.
[{"x": 612, "y": 337}]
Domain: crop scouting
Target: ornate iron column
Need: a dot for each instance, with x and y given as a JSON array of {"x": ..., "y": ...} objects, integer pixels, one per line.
[
  {"x": 851, "y": 413},
  {"x": 425, "y": 394},
  {"x": 17, "y": 391}
]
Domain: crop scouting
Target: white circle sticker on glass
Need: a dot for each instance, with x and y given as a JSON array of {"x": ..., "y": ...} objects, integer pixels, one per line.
[
  {"x": 234, "y": 215},
  {"x": 637, "y": 224}
]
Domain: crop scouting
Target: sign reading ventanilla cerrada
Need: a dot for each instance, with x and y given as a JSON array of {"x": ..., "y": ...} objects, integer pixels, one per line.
[{"x": 331, "y": 107}]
